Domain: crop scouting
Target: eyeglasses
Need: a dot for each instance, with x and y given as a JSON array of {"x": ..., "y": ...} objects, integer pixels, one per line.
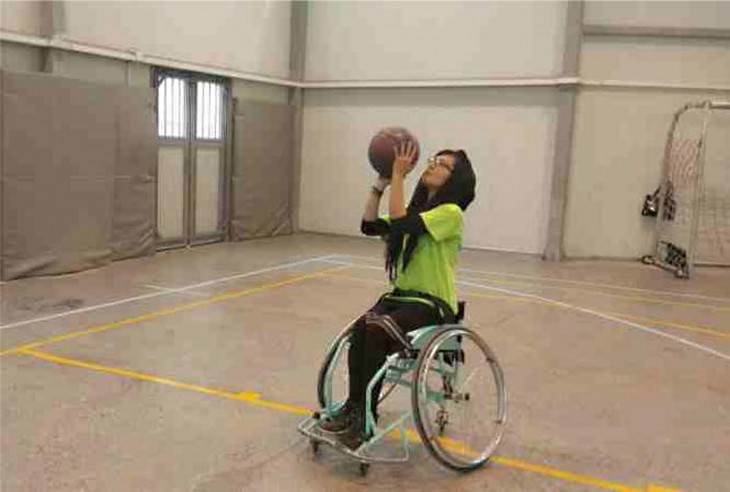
[{"x": 435, "y": 161}]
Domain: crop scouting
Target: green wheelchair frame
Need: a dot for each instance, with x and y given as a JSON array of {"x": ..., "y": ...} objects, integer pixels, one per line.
[{"x": 433, "y": 349}]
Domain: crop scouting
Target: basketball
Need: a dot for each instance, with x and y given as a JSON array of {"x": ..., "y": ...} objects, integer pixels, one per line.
[{"x": 381, "y": 151}]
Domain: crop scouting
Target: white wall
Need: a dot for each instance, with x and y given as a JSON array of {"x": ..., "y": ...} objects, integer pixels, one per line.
[
  {"x": 249, "y": 36},
  {"x": 617, "y": 159},
  {"x": 703, "y": 62},
  {"x": 687, "y": 14},
  {"x": 508, "y": 135},
  {"x": 21, "y": 57},
  {"x": 508, "y": 132},
  {"x": 256, "y": 91},
  {"x": 620, "y": 133},
  {"x": 433, "y": 40},
  {"x": 21, "y": 16}
]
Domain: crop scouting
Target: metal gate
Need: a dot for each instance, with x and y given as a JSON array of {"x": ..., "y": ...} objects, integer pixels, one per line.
[{"x": 192, "y": 170}]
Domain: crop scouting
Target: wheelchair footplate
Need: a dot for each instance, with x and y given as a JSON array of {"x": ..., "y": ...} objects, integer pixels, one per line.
[{"x": 310, "y": 428}]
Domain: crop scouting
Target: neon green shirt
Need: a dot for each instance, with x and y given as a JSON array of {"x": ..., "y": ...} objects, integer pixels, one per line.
[{"x": 432, "y": 265}]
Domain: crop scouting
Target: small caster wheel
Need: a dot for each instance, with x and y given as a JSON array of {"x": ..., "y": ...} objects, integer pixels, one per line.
[
  {"x": 314, "y": 445},
  {"x": 316, "y": 416},
  {"x": 466, "y": 396},
  {"x": 364, "y": 467},
  {"x": 647, "y": 260}
]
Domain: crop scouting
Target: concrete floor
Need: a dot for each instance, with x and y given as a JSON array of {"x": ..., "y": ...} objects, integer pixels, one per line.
[{"x": 617, "y": 373}]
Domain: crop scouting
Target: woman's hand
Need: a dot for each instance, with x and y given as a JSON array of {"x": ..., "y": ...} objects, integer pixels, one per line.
[{"x": 405, "y": 158}]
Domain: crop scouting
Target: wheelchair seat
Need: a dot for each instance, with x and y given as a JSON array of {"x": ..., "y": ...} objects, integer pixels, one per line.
[{"x": 418, "y": 337}]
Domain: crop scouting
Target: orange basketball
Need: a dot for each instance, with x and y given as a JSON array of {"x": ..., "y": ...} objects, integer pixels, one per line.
[{"x": 381, "y": 151}]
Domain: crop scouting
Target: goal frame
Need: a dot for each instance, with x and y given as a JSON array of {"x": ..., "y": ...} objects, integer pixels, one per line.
[{"x": 668, "y": 256}]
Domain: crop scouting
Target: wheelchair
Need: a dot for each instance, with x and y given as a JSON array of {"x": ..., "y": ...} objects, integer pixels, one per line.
[{"x": 457, "y": 397}]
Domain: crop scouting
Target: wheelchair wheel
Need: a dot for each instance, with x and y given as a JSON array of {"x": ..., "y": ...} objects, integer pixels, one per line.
[
  {"x": 459, "y": 399},
  {"x": 333, "y": 390}
]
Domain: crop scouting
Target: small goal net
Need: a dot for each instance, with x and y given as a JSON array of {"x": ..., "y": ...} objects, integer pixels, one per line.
[{"x": 692, "y": 203}]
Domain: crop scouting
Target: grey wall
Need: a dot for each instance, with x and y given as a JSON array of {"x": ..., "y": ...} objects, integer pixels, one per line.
[{"x": 78, "y": 174}]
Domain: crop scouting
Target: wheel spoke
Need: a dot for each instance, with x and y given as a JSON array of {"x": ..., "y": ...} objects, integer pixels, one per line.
[{"x": 463, "y": 428}]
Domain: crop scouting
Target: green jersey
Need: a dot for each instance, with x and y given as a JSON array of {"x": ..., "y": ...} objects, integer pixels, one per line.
[{"x": 433, "y": 262}]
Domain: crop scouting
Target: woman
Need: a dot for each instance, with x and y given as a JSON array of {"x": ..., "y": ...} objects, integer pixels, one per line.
[{"x": 423, "y": 243}]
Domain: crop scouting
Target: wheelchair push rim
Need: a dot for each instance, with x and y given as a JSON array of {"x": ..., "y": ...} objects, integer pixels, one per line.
[
  {"x": 459, "y": 399},
  {"x": 334, "y": 372},
  {"x": 336, "y": 352}
]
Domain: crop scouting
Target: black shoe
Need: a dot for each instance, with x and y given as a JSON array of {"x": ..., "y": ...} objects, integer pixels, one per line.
[
  {"x": 352, "y": 440},
  {"x": 337, "y": 424},
  {"x": 354, "y": 435}
]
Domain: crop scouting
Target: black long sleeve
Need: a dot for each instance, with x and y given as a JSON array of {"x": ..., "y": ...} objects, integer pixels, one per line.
[
  {"x": 377, "y": 227},
  {"x": 410, "y": 224}
]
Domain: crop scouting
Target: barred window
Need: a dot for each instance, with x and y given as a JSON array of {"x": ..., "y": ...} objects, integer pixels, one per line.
[
  {"x": 209, "y": 111},
  {"x": 172, "y": 108}
]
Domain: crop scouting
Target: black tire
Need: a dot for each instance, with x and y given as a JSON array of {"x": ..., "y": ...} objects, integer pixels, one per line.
[
  {"x": 364, "y": 468},
  {"x": 647, "y": 260},
  {"x": 321, "y": 377},
  {"x": 420, "y": 415}
]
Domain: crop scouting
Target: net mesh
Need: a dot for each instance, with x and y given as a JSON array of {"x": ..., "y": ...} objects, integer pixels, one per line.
[
  {"x": 713, "y": 232},
  {"x": 694, "y": 209}
]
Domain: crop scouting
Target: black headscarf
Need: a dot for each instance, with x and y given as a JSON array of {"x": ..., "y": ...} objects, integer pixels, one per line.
[{"x": 458, "y": 189}]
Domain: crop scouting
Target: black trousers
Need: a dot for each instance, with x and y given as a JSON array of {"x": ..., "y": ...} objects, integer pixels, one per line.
[{"x": 378, "y": 333}]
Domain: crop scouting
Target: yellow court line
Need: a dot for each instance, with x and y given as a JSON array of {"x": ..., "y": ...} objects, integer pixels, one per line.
[
  {"x": 670, "y": 324},
  {"x": 250, "y": 398},
  {"x": 165, "y": 312},
  {"x": 650, "y": 300},
  {"x": 255, "y": 400}
]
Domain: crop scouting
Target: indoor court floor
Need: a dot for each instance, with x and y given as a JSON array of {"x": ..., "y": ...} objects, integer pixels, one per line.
[{"x": 190, "y": 371}]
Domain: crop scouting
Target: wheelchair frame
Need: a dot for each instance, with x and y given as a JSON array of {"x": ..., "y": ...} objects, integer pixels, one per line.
[{"x": 393, "y": 372}]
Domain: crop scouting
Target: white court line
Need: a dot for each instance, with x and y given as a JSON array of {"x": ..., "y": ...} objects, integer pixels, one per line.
[
  {"x": 660, "y": 333},
  {"x": 175, "y": 291},
  {"x": 575, "y": 282},
  {"x": 82, "y": 310},
  {"x": 358, "y": 265},
  {"x": 166, "y": 292}
]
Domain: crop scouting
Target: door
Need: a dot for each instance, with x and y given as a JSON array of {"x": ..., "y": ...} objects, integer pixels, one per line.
[{"x": 191, "y": 121}]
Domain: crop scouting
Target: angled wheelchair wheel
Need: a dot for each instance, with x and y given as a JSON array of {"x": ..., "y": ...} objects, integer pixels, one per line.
[
  {"x": 332, "y": 381},
  {"x": 459, "y": 399}
]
